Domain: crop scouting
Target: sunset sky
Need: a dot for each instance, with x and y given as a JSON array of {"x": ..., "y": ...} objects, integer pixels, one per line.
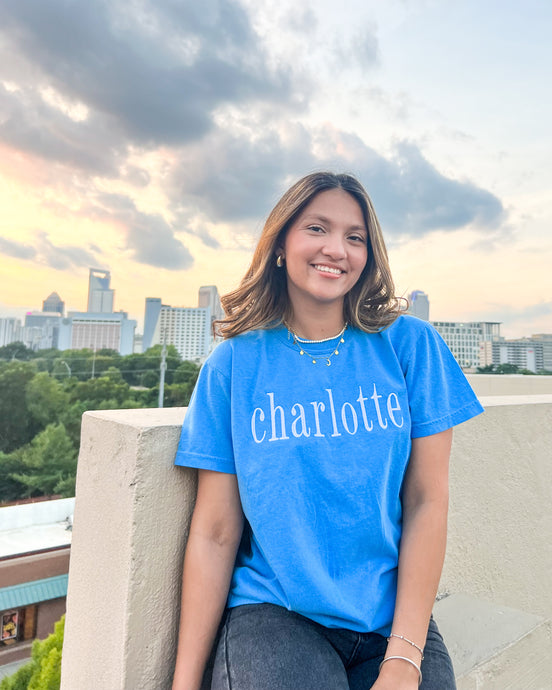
[{"x": 151, "y": 139}]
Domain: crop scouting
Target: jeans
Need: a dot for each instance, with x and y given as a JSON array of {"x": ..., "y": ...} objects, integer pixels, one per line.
[{"x": 267, "y": 647}]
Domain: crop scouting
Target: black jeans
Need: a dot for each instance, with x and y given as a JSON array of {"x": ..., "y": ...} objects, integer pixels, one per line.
[{"x": 267, "y": 647}]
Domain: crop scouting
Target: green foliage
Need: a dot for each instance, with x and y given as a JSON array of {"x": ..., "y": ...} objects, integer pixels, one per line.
[
  {"x": 43, "y": 672},
  {"x": 187, "y": 372},
  {"x": 100, "y": 394},
  {"x": 45, "y": 399},
  {"x": 506, "y": 369},
  {"x": 488, "y": 369},
  {"x": 48, "y": 464},
  {"x": 15, "y": 422},
  {"x": 15, "y": 351},
  {"x": 10, "y": 488}
]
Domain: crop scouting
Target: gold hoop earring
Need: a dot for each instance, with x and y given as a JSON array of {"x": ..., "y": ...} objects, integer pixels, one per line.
[{"x": 280, "y": 260}]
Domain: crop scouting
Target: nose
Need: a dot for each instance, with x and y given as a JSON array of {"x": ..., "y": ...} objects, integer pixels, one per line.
[{"x": 334, "y": 246}]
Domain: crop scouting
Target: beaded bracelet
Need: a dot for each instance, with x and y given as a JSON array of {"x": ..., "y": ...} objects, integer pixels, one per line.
[
  {"x": 402, "y": 637},
  {"x": 405, "y": 658}
]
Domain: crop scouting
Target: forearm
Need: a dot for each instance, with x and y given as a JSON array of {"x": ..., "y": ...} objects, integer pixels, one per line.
[
  {"x": 421, "y": 558},
  {"x": 206, "y": 579}
]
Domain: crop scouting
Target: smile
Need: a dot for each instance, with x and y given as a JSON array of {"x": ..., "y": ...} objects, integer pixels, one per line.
[{"x": 327, "y": 269}]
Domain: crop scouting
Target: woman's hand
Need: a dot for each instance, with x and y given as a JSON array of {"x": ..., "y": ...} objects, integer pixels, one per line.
[{"x": 397, "y": 674}]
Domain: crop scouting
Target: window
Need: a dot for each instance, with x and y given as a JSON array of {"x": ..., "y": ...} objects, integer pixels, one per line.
[{"x": 17, "y": 625}]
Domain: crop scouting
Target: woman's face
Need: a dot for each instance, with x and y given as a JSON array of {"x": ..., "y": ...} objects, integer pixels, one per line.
[{"x": 325, "y": 250}]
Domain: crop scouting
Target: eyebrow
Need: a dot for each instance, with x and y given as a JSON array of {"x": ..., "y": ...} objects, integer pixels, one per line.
[{"x": 323, "y": 219}]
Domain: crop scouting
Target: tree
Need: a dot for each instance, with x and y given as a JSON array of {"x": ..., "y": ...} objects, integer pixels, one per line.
[
  {"x": 187, "y": 372},
  {"x": 10, "y": 489},
  {"x": 488, "y": 369},
  {"x": 507, "y": 369},
  {"x": 43, "y": 672},
  {"x": 15, "y": 423},
  {"x": 45, "y": 399},
  {"x": 15, "y": 350},
  {"x": 48, "y": 465}
]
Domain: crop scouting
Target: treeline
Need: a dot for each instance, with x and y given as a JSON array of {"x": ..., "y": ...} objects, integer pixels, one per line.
[
  {"x": 44, "y": 394},
  {"x": 510, "y": 369}
]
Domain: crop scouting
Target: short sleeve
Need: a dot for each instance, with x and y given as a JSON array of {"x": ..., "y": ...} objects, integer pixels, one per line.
[
  {"x": 439, "y": 394},
  {"x": 206, "y": 437}
]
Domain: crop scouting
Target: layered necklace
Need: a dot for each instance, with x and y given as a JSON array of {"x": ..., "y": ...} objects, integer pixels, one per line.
[{"x": 300, "y": 342}]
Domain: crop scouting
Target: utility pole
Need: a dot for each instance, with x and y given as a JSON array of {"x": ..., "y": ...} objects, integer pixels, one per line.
[{"x": 163, "y": 367}]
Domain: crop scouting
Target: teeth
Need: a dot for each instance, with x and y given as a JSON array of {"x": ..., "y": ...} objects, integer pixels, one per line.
[{"x": 327, "y": 269}]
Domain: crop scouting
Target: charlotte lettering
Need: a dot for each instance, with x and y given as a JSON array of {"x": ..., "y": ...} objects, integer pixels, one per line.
[{"x": 321, "y": 418}]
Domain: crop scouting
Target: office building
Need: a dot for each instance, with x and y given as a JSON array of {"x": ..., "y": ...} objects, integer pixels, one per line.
[
  {"x": 524, "y": 353},
  {"x": 189, "y": 329},
  {"x": 464, "y": 339},
  {"x": 41, "y": 330},
  {"x": 100, "y": 295},
  {"x": 545, "y": 339},
  {"x": 97, "y": 331},
  {"x": 419, "y": 304},
  {"x": 10, "y": 331},
  {"x": 209, "y": 297},
  {"x": 53, "y": 304}
]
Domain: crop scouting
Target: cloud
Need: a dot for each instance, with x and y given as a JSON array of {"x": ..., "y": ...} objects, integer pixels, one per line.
[
  {"x": 63, "y": 257},
  {"x": 16, "y": 249},
  {"x": 149, "y": 238},
  {"x": 233, "y": 177},
  {"x": 156, "y": 74}
]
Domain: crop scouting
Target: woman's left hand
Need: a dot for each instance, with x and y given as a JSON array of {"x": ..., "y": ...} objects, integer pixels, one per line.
[{"x": 397, "y": 676}]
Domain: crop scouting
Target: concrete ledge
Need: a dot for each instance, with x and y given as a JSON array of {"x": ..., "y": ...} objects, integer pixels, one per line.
[
  {"x": 130, "y": 525},
  {"x": 510, "y": 384},
  {"x": 495, "y": 647},
  {"x": 132, "y": 516}
]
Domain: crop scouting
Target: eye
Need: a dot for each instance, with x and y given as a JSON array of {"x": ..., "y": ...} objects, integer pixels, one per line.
[
  {"x": 358, "y": 238},
  {"x": 316, "y": 228}
]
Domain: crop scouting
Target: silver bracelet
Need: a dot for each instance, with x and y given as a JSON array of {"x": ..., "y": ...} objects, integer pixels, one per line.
[
  {"x": 402, "y": 637},
  {"x": 405, "y": 658}
]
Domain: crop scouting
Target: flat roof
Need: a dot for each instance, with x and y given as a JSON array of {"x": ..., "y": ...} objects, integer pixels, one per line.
[{"x": 34, "y": 538}]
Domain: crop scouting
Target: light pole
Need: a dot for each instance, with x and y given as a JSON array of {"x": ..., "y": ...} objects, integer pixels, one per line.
[
  {"x": 62, "y": 361},
  {"x": 163, "y": 367}
]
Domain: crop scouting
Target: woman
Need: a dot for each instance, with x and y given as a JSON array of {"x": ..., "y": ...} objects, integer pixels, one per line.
[{"x": 321, "y": 428}]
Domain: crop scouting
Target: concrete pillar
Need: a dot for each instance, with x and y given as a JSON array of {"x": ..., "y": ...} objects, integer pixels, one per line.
[{"x": 130, "y": 525}]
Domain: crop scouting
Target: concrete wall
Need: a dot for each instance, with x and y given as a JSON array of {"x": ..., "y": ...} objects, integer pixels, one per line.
[
  {"x": 14, "y": 571},
  {"x": 510, "y": 384},
  {"x": 133, "y": 508},
  {"x": 500, "y": 520}
]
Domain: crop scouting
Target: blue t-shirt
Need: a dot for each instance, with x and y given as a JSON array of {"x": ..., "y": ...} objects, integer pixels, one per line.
[{"x": 320, "y": 454}]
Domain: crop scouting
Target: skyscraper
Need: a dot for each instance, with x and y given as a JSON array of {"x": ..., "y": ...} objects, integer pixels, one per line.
[
  {"x": 100, "y": 296},
  {"x": 209, "y": 297},
  {"x": 419, "y": 304},
  {"x": 53, "y": 303}
]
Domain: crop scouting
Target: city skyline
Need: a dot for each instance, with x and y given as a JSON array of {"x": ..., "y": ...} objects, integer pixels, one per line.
[{"x": 154, "y": 144}]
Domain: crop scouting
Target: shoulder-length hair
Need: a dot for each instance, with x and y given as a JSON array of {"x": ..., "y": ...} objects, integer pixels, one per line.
[{"x": 261, "y": 300}]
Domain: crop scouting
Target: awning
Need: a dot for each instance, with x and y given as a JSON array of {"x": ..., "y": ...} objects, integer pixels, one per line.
[{"x": 33, "y": 592}]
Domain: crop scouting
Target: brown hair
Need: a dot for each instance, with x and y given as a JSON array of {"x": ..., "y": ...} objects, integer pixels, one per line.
[{"x": 261, "y": 300}]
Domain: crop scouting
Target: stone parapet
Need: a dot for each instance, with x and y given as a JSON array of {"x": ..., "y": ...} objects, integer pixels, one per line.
[{"x": 133, "y": 509}]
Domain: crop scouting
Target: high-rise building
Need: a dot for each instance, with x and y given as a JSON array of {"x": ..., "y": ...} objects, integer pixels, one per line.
[
  {"x": 100, "y": 296},
  {"x": 187, "y": 328},
  {"x": 10, "y": 331},
  {"x": 209, "y": 297},
  {"x": 41, "y": 330},
  {"x": 53, "y": 303},
  {"x": 419, "y": 304},
  {"x": 86, "y": 330},
  {"x": 464, "y": 339},
  {"x": 524, "y": 353},
  {"x": 545, "y": 339}
]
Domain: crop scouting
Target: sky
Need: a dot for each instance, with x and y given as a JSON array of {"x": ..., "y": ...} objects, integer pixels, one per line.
[{"x": 152, "y": 139}]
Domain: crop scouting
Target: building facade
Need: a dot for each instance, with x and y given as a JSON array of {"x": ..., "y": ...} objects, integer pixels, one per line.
[
  {"x": 10, "y": 331},
  {"x": 100, "y": 295},
  {"x": 524, "y": 353},
  {"x": 189, "y": 329},
  {"x": 419, "y": 304},
  {"x": 54, "y": 303},
  {"x": 464, "y": 339},
  {"x": 97, "y": 331}
]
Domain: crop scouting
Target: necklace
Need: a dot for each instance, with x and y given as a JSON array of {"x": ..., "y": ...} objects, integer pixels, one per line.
[{"x": 297, "y": 341}]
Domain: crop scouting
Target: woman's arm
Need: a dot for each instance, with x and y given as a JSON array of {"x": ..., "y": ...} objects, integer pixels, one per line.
[
  {"x": 215, "y": 534},
  {"x": 422, "y": 551}
]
